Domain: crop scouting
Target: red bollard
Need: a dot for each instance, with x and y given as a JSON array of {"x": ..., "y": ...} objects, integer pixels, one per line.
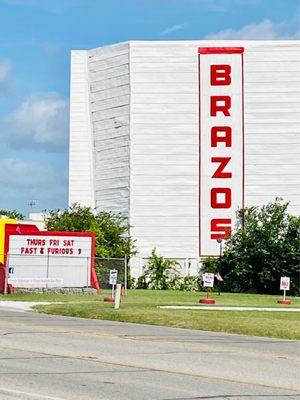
[
  {"x": 109, "y": 299},
  {"x": 207, "y": 301},
  {"x": 284, "y": 302}
]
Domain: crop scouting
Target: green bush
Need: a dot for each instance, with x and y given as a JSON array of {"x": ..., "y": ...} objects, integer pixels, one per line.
[
  {"x": 12, "y": 214},
  {"x": 160, "y": 273},
  {"x": 264, "y": 247},
  {"x": 210, "y": 264},
  {"x": 190, "y": 284}
]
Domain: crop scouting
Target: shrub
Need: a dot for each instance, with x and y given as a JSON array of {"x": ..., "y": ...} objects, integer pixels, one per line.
[
  {"x": 160, "y": 273},
  {"x": 190, "y": 284},
  {"x": 264, "y": 247}
]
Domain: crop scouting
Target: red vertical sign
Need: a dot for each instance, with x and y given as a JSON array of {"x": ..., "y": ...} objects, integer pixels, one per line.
[{"x": 221, "y": 142}]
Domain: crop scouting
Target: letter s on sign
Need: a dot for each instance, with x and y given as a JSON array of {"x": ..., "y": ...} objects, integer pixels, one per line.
[{"x": 220, "y": 228}]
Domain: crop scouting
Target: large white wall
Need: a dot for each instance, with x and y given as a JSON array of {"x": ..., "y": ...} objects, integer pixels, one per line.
[
  {"x": 164, "y": 191},
  {"x": 81, "y": 160},
  {"x": 164, "y": 147},
  {"x": 143, "y": 105}
]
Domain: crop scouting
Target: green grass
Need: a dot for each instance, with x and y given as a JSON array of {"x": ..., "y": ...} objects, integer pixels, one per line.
[{"x": 141, "y": 306}]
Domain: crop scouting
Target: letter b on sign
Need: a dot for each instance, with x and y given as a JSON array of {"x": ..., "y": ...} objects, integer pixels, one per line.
[{"x": 220, "y": 75}]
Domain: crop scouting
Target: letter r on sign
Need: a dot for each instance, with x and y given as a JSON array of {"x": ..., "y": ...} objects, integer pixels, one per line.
[{"x": 220, "y": 104}]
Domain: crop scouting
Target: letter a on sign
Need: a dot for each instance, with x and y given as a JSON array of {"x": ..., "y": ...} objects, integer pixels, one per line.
[{"x": 221, "y": 144}]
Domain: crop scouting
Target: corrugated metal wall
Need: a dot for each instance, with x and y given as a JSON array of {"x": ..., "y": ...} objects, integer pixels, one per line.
[{"x": 109, "y": 105}]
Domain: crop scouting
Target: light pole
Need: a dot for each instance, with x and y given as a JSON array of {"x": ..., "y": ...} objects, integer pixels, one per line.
[{"x": 219, "y": 240}]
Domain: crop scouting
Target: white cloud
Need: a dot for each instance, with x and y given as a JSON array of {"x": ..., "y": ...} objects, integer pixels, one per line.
[
  {"x": 5, "y": 70},
  {"x": 21, "y": 174},
  {"x": 264, "y": 30},
  {"x": 22, "y": 180},
  {"x": 41, "y": 121},
  {"x": 172, "y": 29}
]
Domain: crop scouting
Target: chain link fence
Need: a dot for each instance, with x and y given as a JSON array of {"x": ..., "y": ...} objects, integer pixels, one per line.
[{"x": 103, "y": 266}]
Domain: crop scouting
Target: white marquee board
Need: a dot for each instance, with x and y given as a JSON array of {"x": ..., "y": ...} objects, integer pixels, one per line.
[{"x": 37, "y": 257}]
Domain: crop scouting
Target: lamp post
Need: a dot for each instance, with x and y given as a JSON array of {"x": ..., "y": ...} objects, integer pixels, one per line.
[{"x": 219, "y": 240}]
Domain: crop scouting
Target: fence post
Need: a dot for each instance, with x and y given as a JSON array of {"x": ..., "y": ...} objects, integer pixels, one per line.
[
  {"x": 47, "y": 272},
  {"x": 6, "y": 275},
  {"x": 125, "y": 267},
  {"x": 87, "y": 272}
]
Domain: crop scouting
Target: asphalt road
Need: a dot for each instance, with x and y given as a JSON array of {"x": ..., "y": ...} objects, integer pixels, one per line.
[{"x": 55, "y": 358}]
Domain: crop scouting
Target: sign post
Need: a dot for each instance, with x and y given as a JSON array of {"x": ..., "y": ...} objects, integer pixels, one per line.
[
  {"x": 6, "y": 280},
  {"x": 208, "y": 283},
  {"x": 284, "y": 285},
  {"x": 113, "y": 277}
]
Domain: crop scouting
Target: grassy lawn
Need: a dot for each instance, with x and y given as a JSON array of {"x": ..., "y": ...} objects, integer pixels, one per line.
[{"x": 140, "y": 306}]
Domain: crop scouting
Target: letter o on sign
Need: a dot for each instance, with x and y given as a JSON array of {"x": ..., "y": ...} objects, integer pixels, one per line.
[{"x": 220, "y": 198}]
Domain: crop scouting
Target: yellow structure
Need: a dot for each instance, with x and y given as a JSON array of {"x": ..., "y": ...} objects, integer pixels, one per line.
[{"x": 3, "y": 222}]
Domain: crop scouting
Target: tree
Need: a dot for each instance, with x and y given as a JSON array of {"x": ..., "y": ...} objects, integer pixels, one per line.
[
  {"x": 12, "y": 214},
  {"x": 112, "y": 230},
  {"x": 265, "y": 246}
]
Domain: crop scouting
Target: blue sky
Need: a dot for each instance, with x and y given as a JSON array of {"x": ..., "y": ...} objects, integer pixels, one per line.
[{"x": 36, "y": 37}]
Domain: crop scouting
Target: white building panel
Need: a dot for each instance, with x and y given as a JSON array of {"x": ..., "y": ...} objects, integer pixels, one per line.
[{"x": 81, "y": 161}]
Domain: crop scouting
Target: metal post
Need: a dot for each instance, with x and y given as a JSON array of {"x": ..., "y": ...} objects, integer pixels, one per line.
[
  {"x": 219, "y": 240},
  {"x": 113, "y": 292},
  {"x": 87, "y": 272},
  {"x": 6, "y": 278},
  {"x": 125, "y": 267},
  {"x": 47, "y": 273}
]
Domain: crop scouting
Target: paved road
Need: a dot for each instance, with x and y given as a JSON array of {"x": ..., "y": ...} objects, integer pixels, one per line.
[{"x": 55, "y": 358}]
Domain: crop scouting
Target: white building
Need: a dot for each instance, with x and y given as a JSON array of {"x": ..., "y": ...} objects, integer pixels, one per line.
[{"x": 135, "y": 129}]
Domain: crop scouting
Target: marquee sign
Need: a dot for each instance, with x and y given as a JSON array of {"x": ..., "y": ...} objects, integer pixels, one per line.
[
  {"x": 45, "y": 259},
  {"x": 221, "y": 143},
  {"x": 51, "y": 245}
]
